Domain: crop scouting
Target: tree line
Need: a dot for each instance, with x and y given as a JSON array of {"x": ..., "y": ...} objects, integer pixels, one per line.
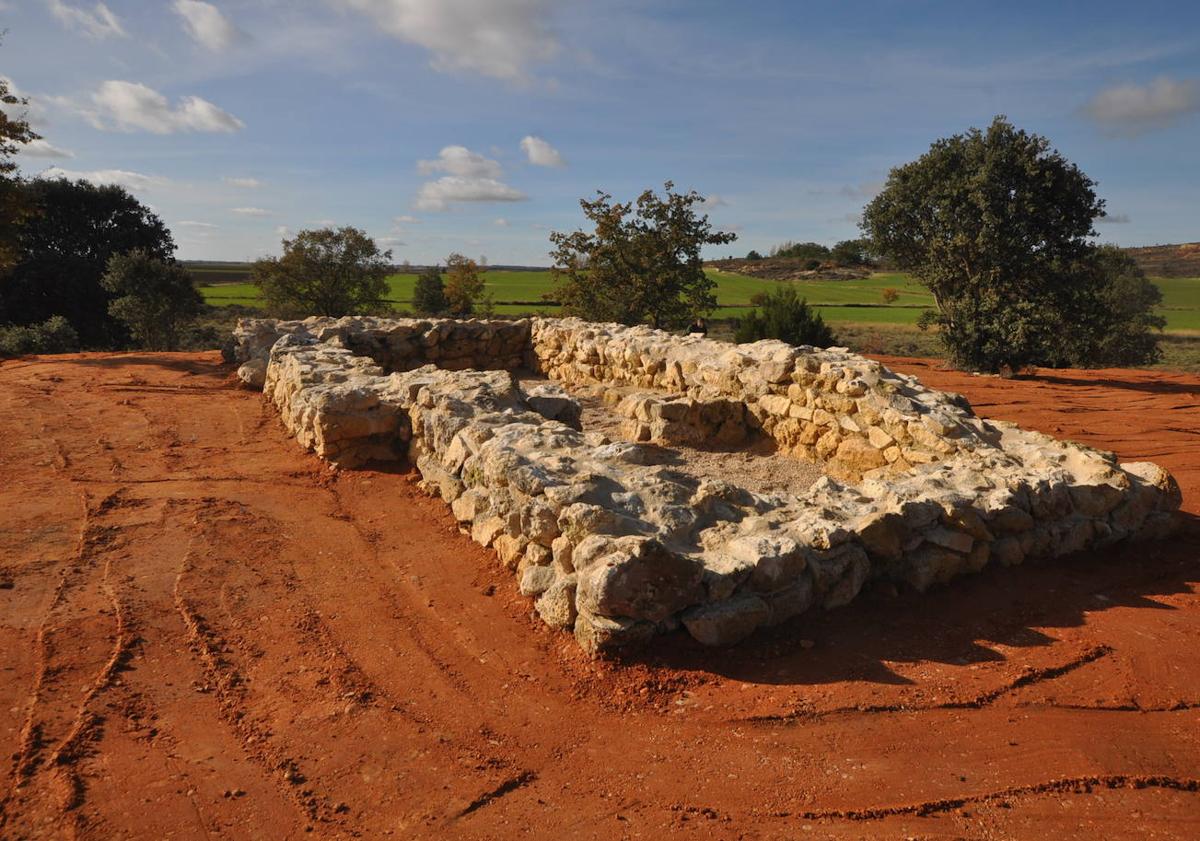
[{"x": 994, "y": 222}]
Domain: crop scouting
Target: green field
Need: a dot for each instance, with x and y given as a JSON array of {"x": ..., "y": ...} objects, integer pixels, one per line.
[{"x": 840, "y": 301}]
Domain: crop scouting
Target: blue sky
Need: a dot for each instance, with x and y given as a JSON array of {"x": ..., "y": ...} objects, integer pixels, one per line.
[{"x": 476, "y": 125}]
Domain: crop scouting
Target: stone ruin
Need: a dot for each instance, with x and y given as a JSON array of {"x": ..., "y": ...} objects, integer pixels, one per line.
[{"x": 618, "y": 548}]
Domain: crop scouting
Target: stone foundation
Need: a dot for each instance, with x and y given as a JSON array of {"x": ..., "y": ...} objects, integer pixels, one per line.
[{"x": 618, "y": 549}]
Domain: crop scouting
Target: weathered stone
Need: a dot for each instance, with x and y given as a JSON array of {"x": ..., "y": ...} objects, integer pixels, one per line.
[
  {"x": 556, "y": 605},
  {"x": 603, "y": 634},
  {"x": 536, "y": 580},
  {"x": 640, "y": 579},
  {"x": 726, "y": 622}
]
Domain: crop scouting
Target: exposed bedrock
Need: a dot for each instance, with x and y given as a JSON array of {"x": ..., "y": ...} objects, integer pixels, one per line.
[{"x": 619, "y": 549}]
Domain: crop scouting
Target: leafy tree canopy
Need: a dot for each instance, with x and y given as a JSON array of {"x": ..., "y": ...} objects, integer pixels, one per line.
[
  {"x": 154, "y": 298},
  {"x": 641, "y": 262},
  {"x": 64, "y": 249},
  {"x": 429, "y": 293},
  {"x": 15, "y": 206},
  {"x": 997, "y": 224},
  {"x": 464, "y": 288},
  {"x": 329, "y": 271}
]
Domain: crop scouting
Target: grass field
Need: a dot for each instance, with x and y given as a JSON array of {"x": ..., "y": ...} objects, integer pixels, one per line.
[{"x": 839, "y": 301}]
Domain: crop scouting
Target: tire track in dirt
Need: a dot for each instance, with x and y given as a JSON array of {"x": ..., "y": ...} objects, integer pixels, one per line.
[{"x": 1085, "y": 784}]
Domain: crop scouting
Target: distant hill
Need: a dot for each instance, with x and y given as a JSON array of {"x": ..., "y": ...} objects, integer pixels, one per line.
[
  {"x": 788, "y": 268},
  {"x": 1181, "y": 260}
]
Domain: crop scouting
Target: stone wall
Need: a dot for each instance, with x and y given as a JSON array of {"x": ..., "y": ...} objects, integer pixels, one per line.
[{"x": 619, "y": 550}]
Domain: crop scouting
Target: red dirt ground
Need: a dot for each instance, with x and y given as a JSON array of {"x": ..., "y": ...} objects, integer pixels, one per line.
[{"x": 206, "y": 633}]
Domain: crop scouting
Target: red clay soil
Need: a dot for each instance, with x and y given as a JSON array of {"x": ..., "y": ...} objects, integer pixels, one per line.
[{"x": 204, "y": 632}]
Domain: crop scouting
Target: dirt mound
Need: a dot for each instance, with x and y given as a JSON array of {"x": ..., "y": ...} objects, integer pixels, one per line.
[
  {"x": 1168, "y": 260},
  {"x": 204, "y": 632},
  {"x": 776, "y": 268}
]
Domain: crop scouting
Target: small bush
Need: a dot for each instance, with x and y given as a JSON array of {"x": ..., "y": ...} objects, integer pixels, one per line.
[
  {"x": 889, "y": 295},
  {"x": 54, "y": 335},
  {"x": 784, "y": 315}
]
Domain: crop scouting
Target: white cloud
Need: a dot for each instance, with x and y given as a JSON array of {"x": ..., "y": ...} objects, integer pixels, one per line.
[
  {"x": 1132, "y": 109},
  {"x": 98, "y": 23},
  {"x": 250, "y": 211},
  {"x": 120, "y": 177},
  {"x": 867, "y": 190},
  {"x": 501, "y": 222},
  {"x": 459, "y": 160},
  {"x": 42, "y": 149},
  {"x": 713, "y": 200},
  {"x": 541, "y": 153},
  {"x": 282, "y": 230},
  {"x": 498, "y": 38},
  {"x": 1114, "y": 219},
  {"x": 244, "y": 183},
  {"x": 207, "y": 25},
  {"x": 191, "y": 223},
  {"x": 406, "y": 220},
  {"x": 325, "y": 223},
  {"x": 132, "y": 106},
  {"x": 450, "y": 189}
]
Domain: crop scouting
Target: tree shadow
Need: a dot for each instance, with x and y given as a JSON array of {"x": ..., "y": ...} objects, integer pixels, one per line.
[
  {"x": 1147, "y": 386},
  {"x": 957, "y": 624}
]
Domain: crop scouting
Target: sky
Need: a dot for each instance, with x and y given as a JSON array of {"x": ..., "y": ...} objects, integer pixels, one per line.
[{"x": 476, "y": 126}]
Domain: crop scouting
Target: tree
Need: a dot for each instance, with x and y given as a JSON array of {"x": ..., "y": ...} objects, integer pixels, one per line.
[
  {"x": 64, "y": 249},
  {"x": 811, "y": 252},
  {"x": 154, "y": 298},
  {"x": 429, "y": 293},
  {"x": 996, "y": 225},
  {"x": 753, "y": 255},
  {"x": 889, "y": 295},
  {"x": 640, "y": 267},
  {"x": 785, "y": 316},
  {"x": 1116, "y": 307},
  {"x": 464, "y": 289},
  {"x": 332, "y": 272},
  {"x": 14, "y": 201},
  {"x": 851, "y": 252}
]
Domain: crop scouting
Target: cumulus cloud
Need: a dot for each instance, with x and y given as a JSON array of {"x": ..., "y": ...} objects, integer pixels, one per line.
[
  {"x": 134, "y": 181},
  {"x": 406, "y": 220},
  {"x": 713, "y": 200},
  {"x": 191, "y": 223},
  {"x": 132, "y": 106},
  {"x": 100, "y": 22},
  {"x": 1132, "y": 109},
  {"x": 459, "y": 160},
  {"x": 541, "y": 153},
  {"x": 451, "y": 189},
  {"x": 501, "y": 222},
  {"x": 244, "y": 183},
  {"x": 42, "y": 149},
  {"x": 470, "y": 177},
  {"x": 497, "y": 38},
  {"x": 1114, "y": 219},
  {"x": 207, "y": 25},
  {"x": 250, "y": 211}
]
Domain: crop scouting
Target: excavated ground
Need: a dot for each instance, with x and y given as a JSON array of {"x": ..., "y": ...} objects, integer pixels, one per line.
[
  {"x": 756, "y": 465},
  {"x": 205, "y": 632}
]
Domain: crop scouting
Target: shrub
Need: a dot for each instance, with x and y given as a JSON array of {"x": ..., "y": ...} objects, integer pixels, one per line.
[
  {"x": 154, "y": 299},
  {"x": 429, "y": 293},
  {"x": 785, "y": 316},
  {"x": 889, "y": 295},
  {"x": 54, "y": 335},
  {"x": 753, "y": 255}
]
